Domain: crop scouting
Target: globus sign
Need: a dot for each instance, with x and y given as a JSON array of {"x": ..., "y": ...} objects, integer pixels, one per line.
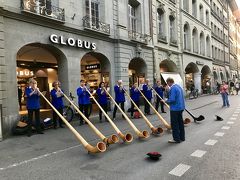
[{"x": 72, "y": 42}]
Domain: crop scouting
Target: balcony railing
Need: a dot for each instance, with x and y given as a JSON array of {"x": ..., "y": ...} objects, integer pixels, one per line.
[
  {"x": 43, "y": 9},
  {"x": 135, "y": 36},
  {"x": 98, "y": 26}
]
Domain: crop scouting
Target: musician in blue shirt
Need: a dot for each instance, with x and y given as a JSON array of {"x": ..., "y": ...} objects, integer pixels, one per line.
[
  {"x": 83, "y": 101},
  {"x": 119, "y": 97},
  {"x": 159, "y": 89},
  {"x": 33, "y": 106},
  {"x": 102, "y": 99},
  {"x": 177, "y": 105},
  {"x": 135, "y": 96},
  {"x": 147, "y": 91},
  {"x": 57, "y": 101}
]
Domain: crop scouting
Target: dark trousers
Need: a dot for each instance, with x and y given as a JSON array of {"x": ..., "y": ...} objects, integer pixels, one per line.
[
  {"x": 157, "y": 104},
  {"x": 115, "y": 108},
  {"x": 30, "y": 120},
  {"x": 132, "y": 107},
  {"x": 147, "y": 106},
  {"x": 56, "y": 117},
  {"x": 84, "y": 108},
  {"x": 105, "y": 108},
  {"x": 178, "y": 131}
]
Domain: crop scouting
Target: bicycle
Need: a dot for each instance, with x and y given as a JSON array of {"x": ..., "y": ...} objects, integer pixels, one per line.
[
  {"x": 69, "y": 111},
  {"x": 194, "y": 94}
]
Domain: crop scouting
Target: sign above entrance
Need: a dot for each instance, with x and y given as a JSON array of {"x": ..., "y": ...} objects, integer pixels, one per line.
[
  {"x": 72, "y": 42},
  {"x": 92, "y": 66}
]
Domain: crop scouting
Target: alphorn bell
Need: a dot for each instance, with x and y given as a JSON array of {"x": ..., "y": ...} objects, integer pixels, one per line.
[
  {"x": 154, "y": 130},
  {"x": 101, "y": 146},
  {"x": 159, "y": 116},
  {"x": 143, "y": 134},
  {"x": 111, "y": 140},
  {"x": 127, "y": 137},
  {"x": 186, "y": 121}
]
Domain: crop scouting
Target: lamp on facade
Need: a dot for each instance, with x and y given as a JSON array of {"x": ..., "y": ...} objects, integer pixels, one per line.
[{"x": 138, "y": 50}]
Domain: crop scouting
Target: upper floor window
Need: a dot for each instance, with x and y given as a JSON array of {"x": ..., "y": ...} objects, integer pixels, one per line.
[
  {"x": 201, "y": 13},
  {"x": 202, "y": 45},
  {"x": 172, "y": 29},
  {"x": 186, "y": 5},
  {"x": 160, "y": 20},
  {"x": 195, "y": 40},
  {"x": 92, "y": 11},
  {"x": 194, "y": 8},
  {"x": 207, "y": 18},
  {"x": 186, "y": 37},
  {"x": 133, "y": 15}
]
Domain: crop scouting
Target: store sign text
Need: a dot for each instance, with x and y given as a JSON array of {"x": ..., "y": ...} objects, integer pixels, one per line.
[
  {"x": 25, "y": 73},
  {"x": 72, "y": 42},
  {"x": 92, "y": 66}
]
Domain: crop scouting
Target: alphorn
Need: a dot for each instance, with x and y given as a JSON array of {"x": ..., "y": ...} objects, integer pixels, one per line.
[
  {"x": 100, "y": 147},
  {"x": 111, "y": 140},
  {"x": 143, "y": 134},
  {"x": 186, "y": 121},
  {"x": 127, "y": 137},
  {"x": 154, "y": 130},
  {"x": 161, "y": 98},
  {"x": 159, "y": 116}
]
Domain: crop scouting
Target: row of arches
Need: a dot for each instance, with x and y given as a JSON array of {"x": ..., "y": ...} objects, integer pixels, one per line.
[{"x": 196, "y": 42}]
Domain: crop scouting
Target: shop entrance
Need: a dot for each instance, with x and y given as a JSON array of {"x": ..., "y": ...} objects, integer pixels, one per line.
[
  {"x": 206, "y": 79},
  {"x": 137, "y": 70},
  {"x": 167, "y": 67},
  {"x": 95, "y": 68},
  {"x": 192, "y": 76},
  {"x": 38, "y": 61}
]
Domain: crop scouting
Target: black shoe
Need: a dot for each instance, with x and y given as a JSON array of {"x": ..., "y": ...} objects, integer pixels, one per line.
[
  {"x": 40, "y": 132},
  {"x": 29, "y": 134},
  {"x": 164, "y": 112},
  {"x": 81, "y": 123},
  {"x": 54, "y": 127},
  {"x": 61, "y": 126},
  {"x": 173, "y": 141},
  {"x": 100, "y": 121}
]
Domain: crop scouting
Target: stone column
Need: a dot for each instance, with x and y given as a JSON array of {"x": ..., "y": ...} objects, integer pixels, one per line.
[{"x": 197, "y": 82}]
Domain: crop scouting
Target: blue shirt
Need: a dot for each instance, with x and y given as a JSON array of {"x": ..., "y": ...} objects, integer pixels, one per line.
[
  {"x": 176, "y": 98},
  {"x": 119, "y": 94},
  {"x": 159, "y": 90},
  {"x": 147, "y": 91},
  {"x": 83, "y": 96},
  {"x": 57, "y": 101},
  {"x": 135, "y": 94},
  {"x": 33, "y": 100},
  {"x": 102, "y": 97}
]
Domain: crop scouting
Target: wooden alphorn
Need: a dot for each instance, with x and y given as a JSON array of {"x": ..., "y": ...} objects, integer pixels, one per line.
[
  {"x": 154, "y": 130},
  {"x": 143, "y": 134},
  {"x": 111, "y": 140},
  {"x": 159, "y": 116},
  {"x": 127, "y": 137},
  {"x": 186, "y": 121},
  {"x": 101, "y": 146}
]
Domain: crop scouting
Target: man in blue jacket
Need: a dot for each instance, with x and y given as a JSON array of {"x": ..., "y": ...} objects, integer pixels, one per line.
[
  {"x": 135, "y": 96},
  {"x": 119, "y": 97},
  {"x": 159, "y": 89},
  {"x": 83, "y": 100},
  {"x": 177, "y": 105},
  {"x": 147, "y": 91}
]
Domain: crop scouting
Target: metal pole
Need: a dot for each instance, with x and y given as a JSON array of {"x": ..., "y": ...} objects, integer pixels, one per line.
[{"x": 1, "y": 138}]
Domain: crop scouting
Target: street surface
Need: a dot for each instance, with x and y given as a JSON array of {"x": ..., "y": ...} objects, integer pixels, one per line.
[{"x": 210, "y": 152}]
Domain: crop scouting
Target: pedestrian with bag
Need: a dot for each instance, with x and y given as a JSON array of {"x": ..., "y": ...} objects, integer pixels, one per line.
[{"x": 224, "y": 93}]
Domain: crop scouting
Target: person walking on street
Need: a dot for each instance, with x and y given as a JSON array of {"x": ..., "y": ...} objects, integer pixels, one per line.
[
  {"x": 177, "y": 105},
  {"x": 147, "y": 91},
  {"x": 159, "y": 89},
  {"x": 102, "y": 100},
  {"x": 224, "y": 93},
  {"x": 57, "y": 101},
  {"x": 83, "y": 100},
  {"x": 33, "y": 106},
  {"x": 119, "y": 97},
  {"x": 237, "y": 87}
]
